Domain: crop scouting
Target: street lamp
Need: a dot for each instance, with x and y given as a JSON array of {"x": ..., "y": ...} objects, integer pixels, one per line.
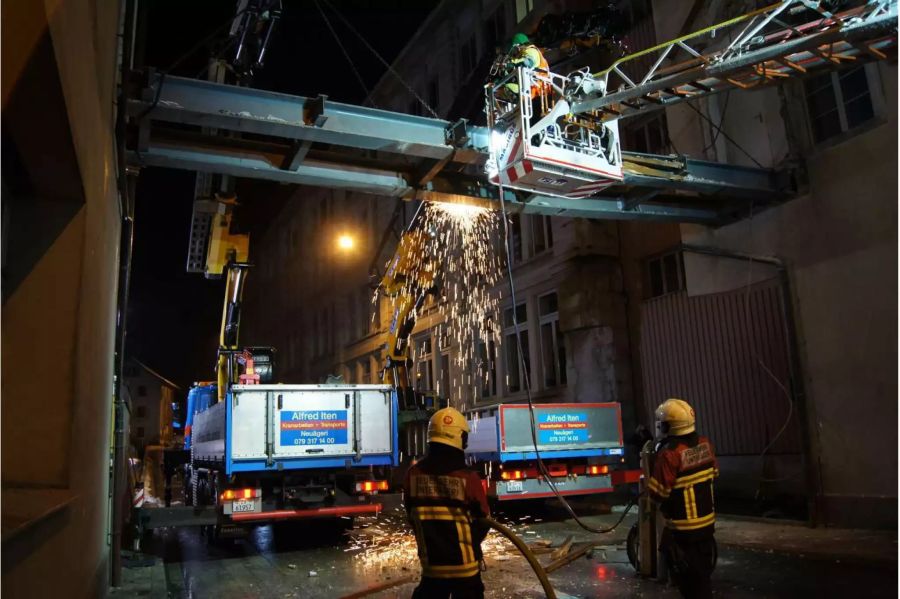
[{"x": 345, "y": 242}]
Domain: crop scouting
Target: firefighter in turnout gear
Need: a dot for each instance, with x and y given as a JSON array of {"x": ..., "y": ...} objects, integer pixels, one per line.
[
  {"x": 445, "y": 502},
  {"x": 682, "y": 483}
]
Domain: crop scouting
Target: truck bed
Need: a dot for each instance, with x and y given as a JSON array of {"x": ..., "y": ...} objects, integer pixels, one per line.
[
  {"x": 291, "y": 427},
  {"x": 564, "y": 430}
]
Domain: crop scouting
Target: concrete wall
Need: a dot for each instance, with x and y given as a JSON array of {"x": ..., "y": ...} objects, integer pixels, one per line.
[{"x": 59, "y": 321}]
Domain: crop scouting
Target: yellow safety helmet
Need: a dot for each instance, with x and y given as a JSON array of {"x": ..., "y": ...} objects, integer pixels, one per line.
[
  {"x": 675, "y": 417},
  {"x": 449, "y": 427}
]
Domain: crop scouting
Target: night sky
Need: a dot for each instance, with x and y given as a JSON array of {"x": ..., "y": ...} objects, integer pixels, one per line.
[{"x": 174, "y": 316}]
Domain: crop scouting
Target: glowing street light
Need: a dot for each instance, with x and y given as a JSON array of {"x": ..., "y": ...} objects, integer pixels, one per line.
[{"x": 345, "y": 242}]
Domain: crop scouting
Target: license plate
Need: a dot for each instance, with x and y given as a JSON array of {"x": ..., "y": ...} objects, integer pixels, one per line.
[
  {"x": 514, "y": 486},
  {"x": 243, "y": 505}
]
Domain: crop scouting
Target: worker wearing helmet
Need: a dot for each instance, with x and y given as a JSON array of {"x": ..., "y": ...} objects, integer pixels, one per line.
[
  {"x": 526, "y": 54},
  {"x": 445, "y": 501},
  {"x": 682, "y": 483}
]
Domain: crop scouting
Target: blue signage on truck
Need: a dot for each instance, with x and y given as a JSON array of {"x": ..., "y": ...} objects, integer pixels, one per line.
[
  {"x": 562, "y": 428},
  {"x": 314, "y": 427}
]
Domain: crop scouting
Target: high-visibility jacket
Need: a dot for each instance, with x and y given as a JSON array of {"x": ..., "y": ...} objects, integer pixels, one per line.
[
  {"x": 531, "y": 57},
  {"x": 682, "y": 482},
  {"x": 443, "y": 500}
]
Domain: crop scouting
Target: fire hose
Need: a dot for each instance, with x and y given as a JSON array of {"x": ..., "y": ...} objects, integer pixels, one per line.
[{"x": 526, "y": 553}]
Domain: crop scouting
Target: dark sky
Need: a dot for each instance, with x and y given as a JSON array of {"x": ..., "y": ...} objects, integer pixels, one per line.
[{"x": 174, "y": 316}]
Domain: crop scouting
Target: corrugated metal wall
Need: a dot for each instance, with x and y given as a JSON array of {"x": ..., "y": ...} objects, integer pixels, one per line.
[{"x": 713, "y": 351}]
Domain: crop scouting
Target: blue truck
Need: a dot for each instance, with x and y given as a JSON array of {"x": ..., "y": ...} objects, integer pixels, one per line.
[
  {"x": 580, "y": 444},
  {"x": 275, "y": 452}
]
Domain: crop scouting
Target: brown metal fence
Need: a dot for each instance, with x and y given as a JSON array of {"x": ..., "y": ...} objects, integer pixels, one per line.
[{"x": 713, "y": 351}]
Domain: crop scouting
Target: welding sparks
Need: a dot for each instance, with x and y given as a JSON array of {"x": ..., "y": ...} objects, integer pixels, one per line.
[{"x": 460, "y": 252}]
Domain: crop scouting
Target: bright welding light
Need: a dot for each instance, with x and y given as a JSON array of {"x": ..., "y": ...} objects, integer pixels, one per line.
[
  {"x": 345, "y": 242},
  {"x": 498, "y": 139}
]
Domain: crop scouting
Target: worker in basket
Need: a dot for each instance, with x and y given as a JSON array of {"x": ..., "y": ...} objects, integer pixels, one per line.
[
  {"x": 523, "y": 53},
  {"x": 682, "y": 483},
  {"x": 445, "y": 502}
]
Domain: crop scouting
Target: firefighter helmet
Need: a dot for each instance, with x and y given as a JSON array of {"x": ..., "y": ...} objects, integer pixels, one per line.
[
  {"x": 675, "y": 417},
  {"x": 449, "y": 427},
  {"x": 519, "y": 39}
]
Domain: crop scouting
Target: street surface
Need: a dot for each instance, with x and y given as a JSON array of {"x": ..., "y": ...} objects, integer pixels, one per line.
[{"x": 320, "y": 560}]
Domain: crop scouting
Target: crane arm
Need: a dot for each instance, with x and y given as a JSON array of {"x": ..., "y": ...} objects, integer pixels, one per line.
[
  {"x": 410, "y": 277},
  {"x": 765, "y": 46}
]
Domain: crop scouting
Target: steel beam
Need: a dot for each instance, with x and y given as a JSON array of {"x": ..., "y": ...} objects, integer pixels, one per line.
[
  {"x": 616, "y": 209},
  {"x": 248, "y": 110},
  {"x": 705, "y": 177},
  {"x": 255, "y": 166}
]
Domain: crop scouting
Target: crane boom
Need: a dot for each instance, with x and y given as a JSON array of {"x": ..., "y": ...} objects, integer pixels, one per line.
[
  {"x": 765, "y": 47},
  {"x": 559, "y": 135}
]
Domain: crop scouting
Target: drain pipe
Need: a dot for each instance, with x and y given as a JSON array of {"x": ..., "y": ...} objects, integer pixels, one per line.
[
  {"x": 126, "y": 186},
  {"x": 797, "y": 387}
]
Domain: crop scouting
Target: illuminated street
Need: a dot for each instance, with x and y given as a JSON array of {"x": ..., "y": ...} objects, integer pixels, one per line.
[{"x": 316, "y": 560}]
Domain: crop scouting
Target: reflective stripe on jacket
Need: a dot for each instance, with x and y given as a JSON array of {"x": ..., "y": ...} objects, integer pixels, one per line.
[
  {"x": 443, "y": 506},
  {"x": 682, "y": 482}
]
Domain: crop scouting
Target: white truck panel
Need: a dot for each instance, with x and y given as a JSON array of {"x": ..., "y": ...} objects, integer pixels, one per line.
[
  {"x": 248, "y": 426},
  {"x": 208, "y": 437}
]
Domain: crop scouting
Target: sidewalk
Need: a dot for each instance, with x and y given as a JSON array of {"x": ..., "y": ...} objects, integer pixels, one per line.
[{"x": 798, "y": 539}]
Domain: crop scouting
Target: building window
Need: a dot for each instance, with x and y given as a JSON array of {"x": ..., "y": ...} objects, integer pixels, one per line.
[
  {"x": 664, "y": 274},
  {"x": 515, "y": 372},
  {"x": 838, "y": 102},
  {"x": 142, "y": 391},
  {"x": 541, "y": 234},
  {"x": 523, "y": 7},
  {"x": 553, "y": 350},
  {"x": 444, "y": 389},
  {"x": 140, "y": 412},
  {"x": 365, "y": 367},
  {"x": 649, "y": 136},
  {"x": 487, "y": 368},
  {"x": 515, "y": 238},
  {"x": 424, "y": 366}
]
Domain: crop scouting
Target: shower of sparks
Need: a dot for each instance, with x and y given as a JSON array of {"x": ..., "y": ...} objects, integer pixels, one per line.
[
  {"x": 462, "y": 248},
  {"x": 388, "y": 546}
]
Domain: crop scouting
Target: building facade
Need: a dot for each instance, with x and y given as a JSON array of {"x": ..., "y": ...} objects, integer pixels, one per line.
[
  {"x": 786, "y": 346},
  {"x": 151, "y": 406}
]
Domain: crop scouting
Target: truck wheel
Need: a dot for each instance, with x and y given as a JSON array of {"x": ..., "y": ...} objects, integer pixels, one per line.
[
  {"x": 633, "y": 547},
  {"x": 187, "y": 486}
]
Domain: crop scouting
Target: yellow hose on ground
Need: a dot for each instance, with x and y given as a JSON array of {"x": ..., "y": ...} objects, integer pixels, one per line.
[{"x": 526, "y": 552}]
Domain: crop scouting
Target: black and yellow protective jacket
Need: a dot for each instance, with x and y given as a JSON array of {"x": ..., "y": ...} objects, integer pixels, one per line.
[
  {"x": 682, "y": 482},
  {"x": 443, "y": 499}
]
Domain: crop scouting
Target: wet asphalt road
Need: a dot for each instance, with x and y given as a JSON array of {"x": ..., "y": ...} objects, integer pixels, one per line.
[{"x": 321, "y": 559}]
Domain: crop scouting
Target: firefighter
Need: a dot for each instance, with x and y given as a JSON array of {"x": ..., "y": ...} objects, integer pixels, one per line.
[
  {"x": 682, "y": 483},
  {"x": 445, "y": 502}
]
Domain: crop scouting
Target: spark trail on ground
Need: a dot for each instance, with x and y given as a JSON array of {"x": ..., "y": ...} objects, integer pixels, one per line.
[{"x": 461, "y": 247}]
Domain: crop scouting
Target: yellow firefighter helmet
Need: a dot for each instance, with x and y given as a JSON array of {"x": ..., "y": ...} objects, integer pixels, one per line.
[
  {"x": 449, "y": 427},
  {"x": 675, "y": 417}
]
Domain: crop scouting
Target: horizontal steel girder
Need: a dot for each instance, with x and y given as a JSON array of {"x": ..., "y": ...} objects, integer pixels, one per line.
[
  {"x": 248, "y": 110},
  {"x": 714, "y": 186},
  {"x": 254, "y": 166}
]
